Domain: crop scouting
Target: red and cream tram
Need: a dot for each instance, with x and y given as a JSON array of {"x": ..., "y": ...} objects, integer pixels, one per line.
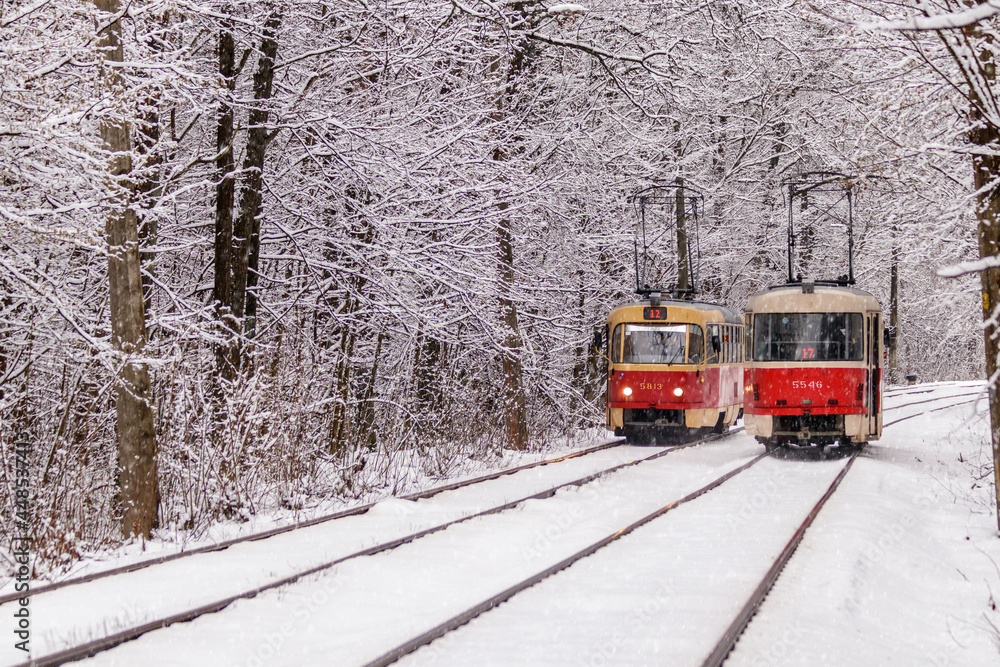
[
  {"x": 675, "y": 367},
  {"x": 814, "y": 365}
]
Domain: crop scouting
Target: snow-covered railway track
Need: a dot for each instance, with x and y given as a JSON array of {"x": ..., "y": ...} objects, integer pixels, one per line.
[
  {"x": 138, "y": 620},
  {"x": 200, "y": 605},
  {"x": 280, "y": 530},
  {"x": 953, "y": 403},
  {"x": 689, "y": 573},
  {"x": 508, "y": 646},
  {"x": 474, "y": 611},
  {"x": 728, "y": 640},
  {"x": 740, "y": 623},
  {"x": 379, "y": 601}
]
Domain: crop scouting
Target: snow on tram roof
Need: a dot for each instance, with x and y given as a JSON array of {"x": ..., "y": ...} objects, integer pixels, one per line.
[
  {"x": 811, "y": 297},
  {"x": 729, "y": 315}
]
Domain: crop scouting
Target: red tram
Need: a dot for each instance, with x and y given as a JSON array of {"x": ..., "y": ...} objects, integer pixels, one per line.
[
  {"x": 814, "y": 348},
  {"x": 814, "y": 365},
  {"x": 675, "y": 365},
  {"x": 675, "y": 368}
]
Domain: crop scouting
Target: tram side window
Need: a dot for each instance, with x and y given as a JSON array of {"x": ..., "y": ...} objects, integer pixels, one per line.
[
  {"x": 748, "y": 338},
  {"x": 808, "y": 337},
  {"x": 616, "y": 345},
  {"x": 876, "y": 327},
  {"x": 714, "y": 338},
  {"x": 730, "y": 339},
  {"x": 696, "y": 344}
]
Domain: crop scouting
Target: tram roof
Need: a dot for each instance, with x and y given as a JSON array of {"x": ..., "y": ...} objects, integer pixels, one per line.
[
  {"x": 804, "y": 294},
  {"x": 729, "y": 315}
]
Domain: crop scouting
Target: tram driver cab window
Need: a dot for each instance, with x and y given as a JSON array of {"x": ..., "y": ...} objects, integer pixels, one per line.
[
  {"x": 662, "y": 344},
  {"x": 807, "y": 337}
]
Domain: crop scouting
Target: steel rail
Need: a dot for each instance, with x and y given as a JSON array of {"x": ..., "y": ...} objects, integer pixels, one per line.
[
  {"x": 905, "y": 391},
  {"x": 469, "y": 614},
  {"x": 933, "y": 400},
  {"x": 355, "y": 511},
  {"x": 921, "y": 414},
  {"x": 221, "y": 546},
  {"x": 722, "y": 649},
  {"x": 96, "y": 646},
  {"x": 725, "y": 645}
]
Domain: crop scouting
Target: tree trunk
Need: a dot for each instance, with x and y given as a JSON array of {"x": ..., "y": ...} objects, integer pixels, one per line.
[
  {"x": 246, "y": 232},
  {"x": 894, "y": 311},
  {"x": 367, "y": 433},
  {"x": 986, "y": 167},
  {"x": 139, "y": 492},
  {"x": 514, "y": 404},
  {"x": 224, "y": 198},
  {"x": 987, "y": 170},
  {"x": 339, "y": 425},
  {"x": 148, "y": 187},
  {"x": 683, "y": 263},
  {"x": 508, "y": 104},
  {"x": 580, "y": 359},
  {"x": 427, "y": 369}
]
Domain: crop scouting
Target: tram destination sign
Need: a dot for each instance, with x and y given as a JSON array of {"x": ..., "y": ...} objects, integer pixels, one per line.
[{"x": 654, "y": 313}]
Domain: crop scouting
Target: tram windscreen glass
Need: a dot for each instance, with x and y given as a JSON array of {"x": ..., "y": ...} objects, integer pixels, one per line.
[
  {"x": 808, "y": 337},
  {"x": 663, "y": 344}
]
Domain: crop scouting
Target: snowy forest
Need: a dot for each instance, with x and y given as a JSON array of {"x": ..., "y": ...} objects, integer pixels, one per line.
[{"x": 258, "y": 253}]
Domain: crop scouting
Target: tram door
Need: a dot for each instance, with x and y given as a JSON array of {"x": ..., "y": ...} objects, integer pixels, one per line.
[{"x": 874, "y": 354}]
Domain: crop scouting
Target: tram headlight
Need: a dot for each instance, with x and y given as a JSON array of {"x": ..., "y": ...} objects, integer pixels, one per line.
[
  {"x": 678, "y": 392},
  {"x": 626, "y": 391}
]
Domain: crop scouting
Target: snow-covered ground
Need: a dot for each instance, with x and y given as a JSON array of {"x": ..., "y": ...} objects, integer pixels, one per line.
[{"x": 902, "y": 567}]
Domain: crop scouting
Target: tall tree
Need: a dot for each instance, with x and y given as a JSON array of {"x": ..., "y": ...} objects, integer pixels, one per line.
[
  {"x": 246, "y": 229},
  {"x": 510, "y": 103},
  {"x": 984, "y": 134},
  {"x": 224, "y": 201},
  {"x": 968, "y": 36},
  {"x": 137, "y": 475}
]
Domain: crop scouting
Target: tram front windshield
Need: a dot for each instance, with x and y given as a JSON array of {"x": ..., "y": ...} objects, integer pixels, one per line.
[
  {"x": 663, "y": 344},
  {"x": 808, "y": 337}
]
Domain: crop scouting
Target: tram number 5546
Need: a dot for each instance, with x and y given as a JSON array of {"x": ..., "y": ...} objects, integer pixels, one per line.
[{"x": 807, "y": 384}]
